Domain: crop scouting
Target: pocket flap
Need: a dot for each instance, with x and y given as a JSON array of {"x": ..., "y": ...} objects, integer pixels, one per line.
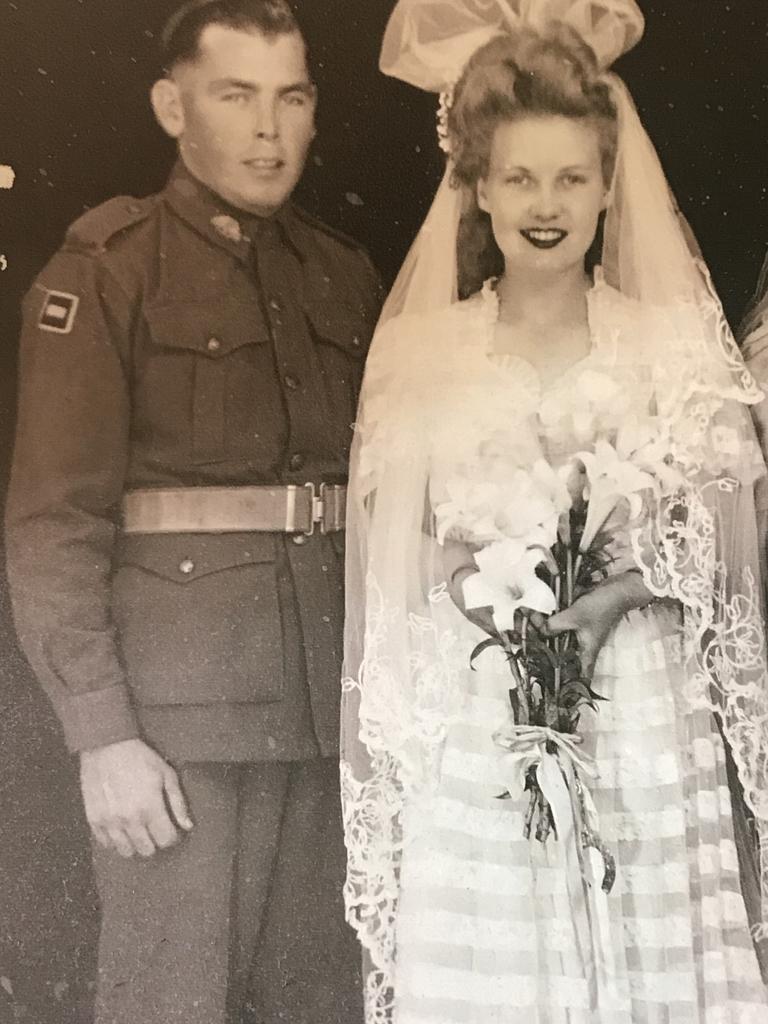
[
  {"x": 184, "y": 557},
  {"x": 213, "y": 329},
  {"x": 342, "y": 326}
]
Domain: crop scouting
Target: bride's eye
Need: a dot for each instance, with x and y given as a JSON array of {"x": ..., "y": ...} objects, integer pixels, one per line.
[
  {"x": 517, "y": 178},
  {"x": 574, "y": 179}
]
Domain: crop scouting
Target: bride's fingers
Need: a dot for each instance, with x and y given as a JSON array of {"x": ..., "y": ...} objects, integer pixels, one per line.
[
  {"x": 589, "y": 648},
  {"x": 539, "y": 622},
  {"x": 560, "y": 622}
]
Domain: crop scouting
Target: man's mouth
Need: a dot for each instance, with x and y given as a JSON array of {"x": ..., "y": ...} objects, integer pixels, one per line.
[
  {"x": 264, "y": 164},
  {"x": 544, "y": 238}
]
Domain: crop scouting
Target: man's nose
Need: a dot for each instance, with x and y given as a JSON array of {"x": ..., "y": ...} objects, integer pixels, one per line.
[{"x": 266, "y": 124}]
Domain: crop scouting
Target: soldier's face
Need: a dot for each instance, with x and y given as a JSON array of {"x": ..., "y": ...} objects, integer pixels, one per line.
[{"x": 247, "y": 114}]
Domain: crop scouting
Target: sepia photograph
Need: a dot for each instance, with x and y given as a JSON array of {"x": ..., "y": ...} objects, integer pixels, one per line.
[{"x": 384, "y": 492}]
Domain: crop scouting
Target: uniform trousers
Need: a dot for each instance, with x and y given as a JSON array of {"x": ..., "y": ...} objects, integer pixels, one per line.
[{"x": 242, "y": 921}]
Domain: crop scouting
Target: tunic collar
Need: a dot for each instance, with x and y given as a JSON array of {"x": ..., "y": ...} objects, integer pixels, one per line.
[{"x": 223, "y": 224}]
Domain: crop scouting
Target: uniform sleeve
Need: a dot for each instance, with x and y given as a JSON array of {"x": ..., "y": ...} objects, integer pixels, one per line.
[{"x": 66, "y": 485}]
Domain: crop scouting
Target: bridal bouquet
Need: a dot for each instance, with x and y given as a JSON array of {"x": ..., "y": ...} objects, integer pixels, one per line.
[{"x": 542, "y": 536}]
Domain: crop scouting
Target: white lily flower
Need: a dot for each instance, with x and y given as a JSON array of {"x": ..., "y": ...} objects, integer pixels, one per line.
[
  {"x": 645, "y": 441},
  {"x": 574, "y": 478},
  {"x": 507, "y": 581},
  {"x": 553, "y": 484},
  {"x": 610, "y": 478}
]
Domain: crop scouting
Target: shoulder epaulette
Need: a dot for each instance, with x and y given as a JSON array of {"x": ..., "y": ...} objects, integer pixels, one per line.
[
  {"x": 346, "y": 240},
  {"x": 98, "y": 226}
]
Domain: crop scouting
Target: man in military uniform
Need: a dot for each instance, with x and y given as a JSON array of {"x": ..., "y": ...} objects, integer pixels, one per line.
[{"x": 189, "y": 372}]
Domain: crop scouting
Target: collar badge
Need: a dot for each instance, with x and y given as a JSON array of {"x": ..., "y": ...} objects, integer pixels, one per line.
[{"x": 228, "y": 227}]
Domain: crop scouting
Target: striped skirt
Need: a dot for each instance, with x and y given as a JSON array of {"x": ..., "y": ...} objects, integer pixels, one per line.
[{"x": 485, "y": 932}]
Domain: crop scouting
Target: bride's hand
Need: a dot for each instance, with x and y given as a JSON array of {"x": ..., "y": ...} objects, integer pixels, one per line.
[{"x": 593, "y": 615}]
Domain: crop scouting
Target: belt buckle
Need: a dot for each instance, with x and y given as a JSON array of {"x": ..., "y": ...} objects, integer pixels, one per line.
[
  {"x": 324, "y": 508},
  {"x": 316, "y": 508}
]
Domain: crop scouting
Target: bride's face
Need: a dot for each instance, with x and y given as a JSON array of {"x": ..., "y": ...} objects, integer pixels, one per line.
[{"x": 544, "y": 191}]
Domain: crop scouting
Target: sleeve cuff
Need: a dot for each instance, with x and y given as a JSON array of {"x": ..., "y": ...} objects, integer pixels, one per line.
[{"x": 98, "y": 718}]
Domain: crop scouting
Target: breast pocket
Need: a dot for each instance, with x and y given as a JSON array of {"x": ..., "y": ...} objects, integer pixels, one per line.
[
  {"x": 342, "y": 336},
  {"x": 199, "y": 618},
  {"x": 205, "y": 366}
]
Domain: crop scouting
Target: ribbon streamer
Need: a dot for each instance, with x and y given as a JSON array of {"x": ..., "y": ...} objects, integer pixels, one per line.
[{"x": 556, "y": 773}]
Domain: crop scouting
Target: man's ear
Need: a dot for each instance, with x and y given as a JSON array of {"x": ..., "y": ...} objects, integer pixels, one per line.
[{"x": 168, "y": 108}]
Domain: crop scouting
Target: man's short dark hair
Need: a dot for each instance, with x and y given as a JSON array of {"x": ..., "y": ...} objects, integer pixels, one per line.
[{"x": 181, "y": 35}]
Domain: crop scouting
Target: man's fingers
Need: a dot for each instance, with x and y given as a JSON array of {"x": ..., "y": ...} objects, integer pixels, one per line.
[
  {"x": 101, "y": 836},
  {"x": 140, "y": 839},
  {"x": 163, "y": 831},
  {"x": 119, "y": 841},
  {"x": 176, "y": 799}
]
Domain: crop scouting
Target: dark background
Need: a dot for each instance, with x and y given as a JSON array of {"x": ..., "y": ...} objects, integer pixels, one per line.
[{"x": 76, "y": 126}]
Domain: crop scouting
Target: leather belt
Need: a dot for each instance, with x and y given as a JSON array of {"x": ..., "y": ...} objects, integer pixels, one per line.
[{"x": 288, "y": 508}]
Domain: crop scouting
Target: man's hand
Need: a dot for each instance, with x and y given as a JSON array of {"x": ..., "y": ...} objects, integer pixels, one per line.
[
  {"x": 133, "y": 801},
  {"x": 595, "y": 614}
]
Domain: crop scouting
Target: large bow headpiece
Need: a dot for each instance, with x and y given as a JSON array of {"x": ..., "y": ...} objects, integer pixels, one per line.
[{"x": 428, "y": 42}]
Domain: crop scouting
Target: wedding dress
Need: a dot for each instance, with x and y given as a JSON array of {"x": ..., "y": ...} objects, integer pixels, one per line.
[
  {"x": 460, "y": 918},
  {"x": 484, "y": 931}
]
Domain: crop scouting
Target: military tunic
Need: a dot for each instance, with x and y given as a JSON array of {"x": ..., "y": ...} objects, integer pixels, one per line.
[
  {"x": 172, "y": 342},
  {"x": 176, "y": 342}
]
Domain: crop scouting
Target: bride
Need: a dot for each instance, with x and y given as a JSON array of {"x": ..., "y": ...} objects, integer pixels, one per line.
[{"x": 549, "y": 311}]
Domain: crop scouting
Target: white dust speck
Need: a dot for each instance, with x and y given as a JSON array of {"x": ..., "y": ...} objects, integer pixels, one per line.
[{"x": 354, "y": 199}]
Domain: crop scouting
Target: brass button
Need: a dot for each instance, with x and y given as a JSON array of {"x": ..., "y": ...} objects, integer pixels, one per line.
[
  {"x": 275, "y": 305},
  {"x": 356, "y": 342},
  {"x": 187, "y": 566},
  {"x": 299, "y": 538},
  {"x": 214, "y": 344},
  {"x": 296, "y": 461},
  {"x": 291, "y": 382}
]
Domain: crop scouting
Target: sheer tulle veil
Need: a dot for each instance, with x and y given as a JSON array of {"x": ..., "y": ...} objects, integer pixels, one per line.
[{"x": 402, "y": 660}]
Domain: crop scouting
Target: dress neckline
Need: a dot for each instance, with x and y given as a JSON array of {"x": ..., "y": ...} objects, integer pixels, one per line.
[{"x": 509, "y": 361}]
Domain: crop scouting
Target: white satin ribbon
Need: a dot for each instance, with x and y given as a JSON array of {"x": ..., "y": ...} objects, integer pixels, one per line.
[{"x": 526, "y": 746}]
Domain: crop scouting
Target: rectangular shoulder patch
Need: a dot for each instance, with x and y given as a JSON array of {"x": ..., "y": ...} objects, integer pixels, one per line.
[{"x": 58, "y": 312}]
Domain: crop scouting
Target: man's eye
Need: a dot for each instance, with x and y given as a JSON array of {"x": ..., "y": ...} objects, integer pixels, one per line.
[
  {"x": 575, "y": 179},
  {"x": 517, "y": 179},
  {"x": 296, "y": 99},
  {"x": 235, "y": 97}
]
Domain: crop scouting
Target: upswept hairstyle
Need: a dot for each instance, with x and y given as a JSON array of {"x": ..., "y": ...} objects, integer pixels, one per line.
[
  {"x": 180, "y": 37},
  {"x": 518, "y": 75}
]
